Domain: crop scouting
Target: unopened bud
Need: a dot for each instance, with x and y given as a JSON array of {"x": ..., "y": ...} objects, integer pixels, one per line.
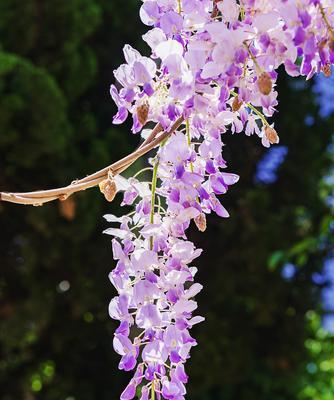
[
  {"x": 265, "y": 83},
  {"x": 327, "y": 70},
  {"x": 200, "y": 222},
  {"x": 236, "y": 105},
  {"x": 108, "y": 188},
  {"x": 271, "y": 135},
  {"x": 142, "y": 113}
]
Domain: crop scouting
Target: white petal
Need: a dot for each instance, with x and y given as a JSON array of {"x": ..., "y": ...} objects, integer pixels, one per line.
[
  {"x": 167, "y": 48},
  {"x": 120, "y": 233},
  {"x": 112, "y": 218}
]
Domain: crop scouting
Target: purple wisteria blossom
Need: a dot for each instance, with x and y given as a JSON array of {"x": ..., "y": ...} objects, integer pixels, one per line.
[
  {"x": 200, "y": 63},
  {"x": 213, "y": 65}
]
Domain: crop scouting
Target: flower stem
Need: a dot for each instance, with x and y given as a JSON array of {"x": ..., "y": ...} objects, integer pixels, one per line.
[
  {"x": 153, "y": 391},
  {"x": 259, "y": 69},
  {"x": 242, "y": 10},
  {"x": 254, "y": 109},
  {"x": 154, "y": 189},
  {"x": 179, "y": 6},
  {"x": 242, "y": 13},
  {"x": 142, "y": 171},
  {"x": 189, "y": 142}
]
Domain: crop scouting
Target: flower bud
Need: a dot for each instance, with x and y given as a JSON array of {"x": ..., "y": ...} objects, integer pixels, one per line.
[
  {"x": 200, "y": 222},
  {"x": 327, "y": 70},
  {"x": 265, "y": 83},
  {"x": 108, "y": 188},
  {"x": 236, "y": 105},
  {"x": 271, "y": 135},
  {"x": 142, "y": 113}
]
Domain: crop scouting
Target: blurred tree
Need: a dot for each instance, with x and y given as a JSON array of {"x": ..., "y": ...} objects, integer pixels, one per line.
[
  {"x": 55, "y": 125},
  {"x": 318, "y": 382},
  {"x": 56, "y": 65}
]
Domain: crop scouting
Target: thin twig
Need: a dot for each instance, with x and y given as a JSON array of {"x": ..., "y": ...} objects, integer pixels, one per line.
[
  {"x": 325, "y": 18},
  {"x": 43, "y": 196}
]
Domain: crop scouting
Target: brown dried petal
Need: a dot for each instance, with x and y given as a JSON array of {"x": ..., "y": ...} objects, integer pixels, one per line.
[
  {"x": 271, "y": 135},
  {"x": 327, "y": 70},
  {"x": 322, "y": 43},
  {"x": 200, "y": 222},
  {"x": 265, "y": 83},
  {"x": 215, "y": 10},
  {"x": 67, "y": 208},
  {"x": 236, "y": 105},
  {"x": 331, "y": 43},
  {"x": 142, "y": 113},
  {"x": 109, "y": 189}
]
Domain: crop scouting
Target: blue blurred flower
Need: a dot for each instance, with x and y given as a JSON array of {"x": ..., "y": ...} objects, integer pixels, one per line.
[{"x": 267, "y": 167}]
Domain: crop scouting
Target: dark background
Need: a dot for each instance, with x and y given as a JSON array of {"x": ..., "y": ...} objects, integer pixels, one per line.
[{"x": 265, "y": 270}]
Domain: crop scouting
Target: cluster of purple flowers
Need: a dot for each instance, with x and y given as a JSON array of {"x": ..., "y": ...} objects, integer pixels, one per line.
[
  {"x": 154, "y": 275},
  {"x": 216, "y": 61},
  {"x": 214, "y": 64}
]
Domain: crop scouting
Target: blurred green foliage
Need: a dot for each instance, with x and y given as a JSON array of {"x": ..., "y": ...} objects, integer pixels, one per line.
[{"x": 262, "y": 338}]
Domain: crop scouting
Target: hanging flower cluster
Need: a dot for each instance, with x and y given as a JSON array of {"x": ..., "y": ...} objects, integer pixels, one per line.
[{"x": 213, "y": 68}]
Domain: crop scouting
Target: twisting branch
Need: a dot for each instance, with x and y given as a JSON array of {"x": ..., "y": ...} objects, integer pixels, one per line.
[{"x": 40, "y": 197}]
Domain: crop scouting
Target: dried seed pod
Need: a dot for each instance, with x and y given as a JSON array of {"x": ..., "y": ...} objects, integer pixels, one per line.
[
  {"x": 108, "y": 188},
  {"x": 271, "y": 135},
  {"x": 327, "y": 70},
  {"x": 265, "y": 83},
  {"x": 67, "y": 208},
  {"x": 236, "y": 105},
  {"x": 142, "y": 113},
  {"x": 200, "y": 222}
]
